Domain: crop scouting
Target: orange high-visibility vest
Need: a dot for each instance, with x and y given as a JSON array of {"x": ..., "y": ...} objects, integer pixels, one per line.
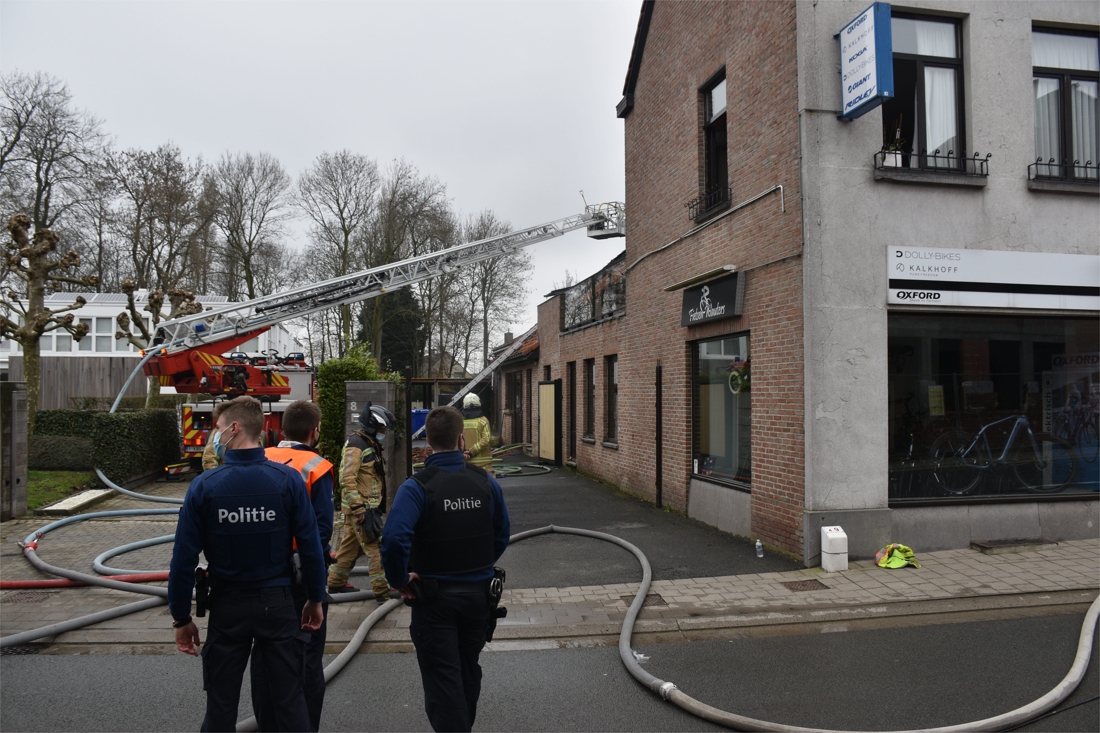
[{"x": 310, "y": 465}]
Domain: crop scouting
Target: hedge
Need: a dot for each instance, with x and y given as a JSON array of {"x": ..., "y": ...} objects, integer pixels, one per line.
[
  {"x": 129, "y": 402},
  {"x": 59, "y": 453},
  {"x": 124, "y": 444}
]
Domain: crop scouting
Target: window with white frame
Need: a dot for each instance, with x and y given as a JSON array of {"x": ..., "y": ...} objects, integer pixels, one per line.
[
  {"x": 104, "y": 334},
  {"x": 1066, "y": 85},
  {"x": 86, "y": 343},
  {"x": 923, "y": 122}
]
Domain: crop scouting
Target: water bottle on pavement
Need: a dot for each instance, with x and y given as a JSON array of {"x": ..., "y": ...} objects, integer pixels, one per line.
[{"x": 759, "y": 548}]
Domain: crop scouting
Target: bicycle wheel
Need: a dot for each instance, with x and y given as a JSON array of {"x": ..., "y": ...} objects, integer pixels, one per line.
[
  {"x": 1052, "y": 470},
  {"x": 1088, "y": 441},
  {"x": 952, "y": 472}
]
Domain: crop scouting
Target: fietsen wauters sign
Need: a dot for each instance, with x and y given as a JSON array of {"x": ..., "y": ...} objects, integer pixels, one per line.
[
  {"x": 992, "y": 279},
  {"x": 713, "y": 300},
  {"x": 866, "y": 62}
]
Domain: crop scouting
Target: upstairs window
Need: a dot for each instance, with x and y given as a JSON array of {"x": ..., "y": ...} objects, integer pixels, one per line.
[
  {"x": 716, "y": 191},
  {"x": 923, "y": 123},
  {"x": 1066, "y": 85}
]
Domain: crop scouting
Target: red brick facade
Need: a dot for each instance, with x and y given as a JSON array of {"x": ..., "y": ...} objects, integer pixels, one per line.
[{"x": 685, "y": 45}]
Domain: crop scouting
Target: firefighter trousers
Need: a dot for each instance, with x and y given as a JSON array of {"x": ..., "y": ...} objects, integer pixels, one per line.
[{"x": 353, "y": 544}]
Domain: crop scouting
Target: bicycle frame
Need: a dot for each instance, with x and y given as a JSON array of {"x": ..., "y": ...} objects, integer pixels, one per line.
[{"x": 1022, "y": 423}]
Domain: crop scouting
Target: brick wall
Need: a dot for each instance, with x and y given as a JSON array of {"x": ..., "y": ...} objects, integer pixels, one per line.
[{"x": 687, "y": 44}]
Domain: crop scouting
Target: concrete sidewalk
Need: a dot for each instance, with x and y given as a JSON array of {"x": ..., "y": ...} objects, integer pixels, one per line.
[{"x": 1065, "y": 575}]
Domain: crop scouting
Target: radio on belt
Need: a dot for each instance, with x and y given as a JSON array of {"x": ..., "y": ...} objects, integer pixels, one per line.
[{"x": 834, "y": 549}]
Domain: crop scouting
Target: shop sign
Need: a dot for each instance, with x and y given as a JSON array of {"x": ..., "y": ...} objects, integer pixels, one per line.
[
  {"x": 991, "y": 279},
  {"x": 866, "y": 62},
  {"x": 711, "y": 301}
]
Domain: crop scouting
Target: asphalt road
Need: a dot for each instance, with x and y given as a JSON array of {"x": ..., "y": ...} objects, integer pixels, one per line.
[
  {"x": 677, "y": 547},
  {"x": 869, "y": 680}
]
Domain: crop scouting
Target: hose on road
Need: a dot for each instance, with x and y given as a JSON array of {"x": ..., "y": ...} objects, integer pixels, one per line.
[{"x": 665, "y": 690}]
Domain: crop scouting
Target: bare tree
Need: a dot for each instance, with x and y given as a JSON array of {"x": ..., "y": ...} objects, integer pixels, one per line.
[
  {"x": 252, "y": 206},
  {"x": 47, "y": 148},
  {"x": 35, "y": 264},
  {"x": 338, "y": 195},
  {"x": 413, "y": 217}
]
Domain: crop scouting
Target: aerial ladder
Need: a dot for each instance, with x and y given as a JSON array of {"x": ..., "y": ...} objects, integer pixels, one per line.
[{"x": 186, "y": 352}]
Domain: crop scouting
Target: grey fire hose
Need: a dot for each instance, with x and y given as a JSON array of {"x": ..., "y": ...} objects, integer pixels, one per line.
[{"x": 666, "y": 690}]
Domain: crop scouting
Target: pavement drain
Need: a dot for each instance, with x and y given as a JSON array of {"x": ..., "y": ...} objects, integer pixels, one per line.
[
  {"x": 651, "y": 599},
  {"x": 22, "y": 650},
  {"x": 27, "y": 596},
  {"x": 801, "y": 585}
]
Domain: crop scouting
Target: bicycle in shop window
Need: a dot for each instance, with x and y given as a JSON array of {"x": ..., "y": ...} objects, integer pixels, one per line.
[
  {"x": 908, "y": 473},
  {"x": 1077, "y": 423},
  {"x": 1041, "y": 462}
]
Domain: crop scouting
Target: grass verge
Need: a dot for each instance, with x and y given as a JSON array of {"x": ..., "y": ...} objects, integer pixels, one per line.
[{"x": 44, "y": 487}]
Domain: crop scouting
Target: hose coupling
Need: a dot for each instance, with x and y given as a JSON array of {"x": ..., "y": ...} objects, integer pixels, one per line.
[{"x": 666, "y": 690}]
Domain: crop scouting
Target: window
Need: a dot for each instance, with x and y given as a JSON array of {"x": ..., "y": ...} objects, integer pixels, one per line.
[
  {"x": 103, "y": 334},
  {"x": 1066, "y": 87},
  {"x": 86, "y": 343},
  {"x": 515, "y": 384},
  {"x": 715, "y": 169},
  {"x": 546, "y": 373},
  {"x": 589, "y": 399},
  {"x": 923, "y": 122},
  {"x": 528, "y": 435},
  {"x": 64, "y": 342},
  {"x": 45, "y": 342},
  {"x": 611, "y": 399},
  {"x": 723, "y": 409},
  {"x": 960, "y": 385}
]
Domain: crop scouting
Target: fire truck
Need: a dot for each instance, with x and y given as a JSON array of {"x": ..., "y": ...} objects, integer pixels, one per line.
[
  {"x": 196, "y": 418},
  {"x": 186, "y": 352}
]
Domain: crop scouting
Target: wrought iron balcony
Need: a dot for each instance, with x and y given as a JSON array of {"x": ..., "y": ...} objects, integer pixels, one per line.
[
  {"x": 933, "y": 163},
  {"x": 713, "y": 200},
  {"x": 1050, "y": 170}
]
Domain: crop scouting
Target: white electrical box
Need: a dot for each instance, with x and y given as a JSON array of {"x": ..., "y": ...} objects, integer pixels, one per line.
[{"x": 834, "y": 549}]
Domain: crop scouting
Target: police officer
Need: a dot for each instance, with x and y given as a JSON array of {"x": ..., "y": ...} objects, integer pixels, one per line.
[
  {"x": 475, "y": 430},
  {"x": 447, "y": 528},
  {"x": 363, "y": 501},
  {"x": 243, "y": 516},
  {"x": 301, "y": 425}
]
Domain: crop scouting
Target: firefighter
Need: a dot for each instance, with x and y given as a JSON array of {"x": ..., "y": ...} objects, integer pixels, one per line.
[
  {"x": 475, "y": 429},
  {"x": 363, "y": 502},
  {"x": 209, "y": 457},
  {"x": 301, "y": 425}
]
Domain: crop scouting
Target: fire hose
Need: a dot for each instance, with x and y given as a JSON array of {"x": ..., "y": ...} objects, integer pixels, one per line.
[{"x": 667, "y": 691}]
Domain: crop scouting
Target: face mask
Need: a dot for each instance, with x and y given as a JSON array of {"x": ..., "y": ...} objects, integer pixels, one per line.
[
  {"x": 380, "y": 435},
  {"x": 219, "y": 447}
]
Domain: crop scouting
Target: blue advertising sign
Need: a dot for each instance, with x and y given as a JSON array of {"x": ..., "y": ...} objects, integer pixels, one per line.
[{"x": 866, "y": 62}]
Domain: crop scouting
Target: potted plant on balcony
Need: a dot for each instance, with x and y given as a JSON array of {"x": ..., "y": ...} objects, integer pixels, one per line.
[{"x": 893, "y": 147}]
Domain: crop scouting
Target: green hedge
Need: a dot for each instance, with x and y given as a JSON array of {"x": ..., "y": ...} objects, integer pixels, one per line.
[
  {"x": 124, "y": 444},
  {"x": 59, "y": 453},
  {"x": 134, "y": 402}
]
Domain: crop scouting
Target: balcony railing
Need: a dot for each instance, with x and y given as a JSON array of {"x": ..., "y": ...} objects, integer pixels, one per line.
[
  {"x": 595, "y": 298},
  {"x": 934, "y": 162},
  {"x": 710, "y": 202},
  {"x": 1050, "y": 170}
]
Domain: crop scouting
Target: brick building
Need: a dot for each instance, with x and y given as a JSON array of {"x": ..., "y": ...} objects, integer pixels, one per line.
[{"x": 753, "y": 359}]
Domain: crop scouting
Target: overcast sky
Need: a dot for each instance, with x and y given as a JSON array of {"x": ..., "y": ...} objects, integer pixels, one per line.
[{"x": 510, "y": 104}]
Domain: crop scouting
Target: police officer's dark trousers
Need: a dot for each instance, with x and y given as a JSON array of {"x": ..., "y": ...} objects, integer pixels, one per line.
[
  {"x": 448, "y": 634},
  {"x": 263, "y": 622},
  {"x": 313, "y": 678}
]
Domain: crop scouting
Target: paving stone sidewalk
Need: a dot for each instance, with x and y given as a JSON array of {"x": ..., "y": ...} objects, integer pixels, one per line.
[{"x": 551, "y": 614}]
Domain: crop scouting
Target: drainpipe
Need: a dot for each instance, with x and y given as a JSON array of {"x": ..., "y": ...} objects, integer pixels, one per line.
[{"x": 659, "y": 448}]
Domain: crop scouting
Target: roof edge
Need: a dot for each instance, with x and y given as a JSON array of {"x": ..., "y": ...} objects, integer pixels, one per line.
[{"x": 627, "y": 102}]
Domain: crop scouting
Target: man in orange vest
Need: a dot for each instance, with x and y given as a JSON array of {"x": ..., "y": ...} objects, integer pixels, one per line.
[{"x": 302, "y": 428}]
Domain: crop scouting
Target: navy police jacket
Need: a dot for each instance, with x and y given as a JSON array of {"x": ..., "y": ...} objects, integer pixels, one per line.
[
  {"x": 410, "y": 505},
  {"x": 242, "y": 516}
]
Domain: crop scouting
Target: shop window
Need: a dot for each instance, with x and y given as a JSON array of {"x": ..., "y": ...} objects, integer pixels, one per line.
[
  {"x": 611, "y": 399},
  {"x": 723, "y": 410},
  {"x": 88, "y": 342},
  {"x": 968, "y": 393},
  {"x": 922, "y": 125},
  {"x": 1066, "y": 84},
  {"x": 590, "y": 399}
]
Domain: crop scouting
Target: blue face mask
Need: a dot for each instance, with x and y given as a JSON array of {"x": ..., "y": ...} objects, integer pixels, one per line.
[{"x": 219, "y": 447}]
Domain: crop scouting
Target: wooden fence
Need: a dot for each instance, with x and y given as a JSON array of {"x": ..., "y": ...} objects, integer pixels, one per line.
[{"x": 65, "y": 377}]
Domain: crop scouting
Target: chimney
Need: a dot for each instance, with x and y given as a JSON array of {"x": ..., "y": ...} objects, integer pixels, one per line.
[{"x": 508, "y": 337}]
